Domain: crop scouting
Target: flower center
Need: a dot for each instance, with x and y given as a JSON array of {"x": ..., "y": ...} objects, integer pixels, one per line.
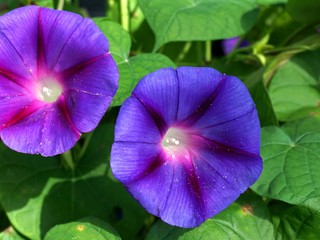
[
  {"x": 49, "y": 89},
  {"x": 176, "y": 144},
  {"x": 174, "y": 138}
]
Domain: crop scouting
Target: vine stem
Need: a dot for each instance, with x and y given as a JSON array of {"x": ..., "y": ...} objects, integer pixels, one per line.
[
  {"x": 208, "y": 50},
  {"x": 184, "y": 51},
  {"x": 60, "y": 4},
  {"x": 67, "y": 159},
  {"x": 124, "y": 8},
  {"x": 85, "y": 145}
]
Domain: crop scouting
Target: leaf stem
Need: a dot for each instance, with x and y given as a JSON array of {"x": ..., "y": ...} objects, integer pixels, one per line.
[
  {"x": 85, "y": 145},
  {"x": 124, "y": 8},
  {"x": 60, "y": 4},
  {"x": 184, "y": 51},
  {"x": 208, "y": 50},
  {"x": 67, "y": 160}
]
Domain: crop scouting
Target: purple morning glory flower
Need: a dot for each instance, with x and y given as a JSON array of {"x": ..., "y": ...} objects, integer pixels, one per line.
[
  {"x": 57, "y": 79},
  {"x": 228, "y": 45},
  {"x": 187, "y": 143}
]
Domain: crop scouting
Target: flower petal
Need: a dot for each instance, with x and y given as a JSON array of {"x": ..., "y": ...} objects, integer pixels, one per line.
[
  {"x": 231, "y": 133},
  {"x": 18, "y": 41},
  {"x": 222, "y": 177},
  {"x": 158, "y": 91},
  {"x": 233, "y": 170},
  {"x": 135, "y": 124},
  {"x": 183, "y": 201},
  {"x": 45, "y": 132},
  {"x": 89, "y": 92},
  {"x": 143, "y": 169},
  {"x": 55, "y": 30},
  {"x": 86, "y": 109},
  {"x": 228, "y": 45},
  {"x": 132, "y": 161},
  {"x": 196, "y": 87},
  {"x": 152, "y": 191},
  {"x": 13, "y": 99},
  {"x": 83, "y": 42},
  {"x": 166, "y": 193},
  {"x": 230, "y": 102},
  {"x": 158, "y": 186}
]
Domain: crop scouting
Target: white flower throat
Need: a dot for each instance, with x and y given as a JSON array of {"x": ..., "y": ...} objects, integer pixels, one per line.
[
  {"x": 49, "y": 90},
  {"x": 175, "y": 141}
]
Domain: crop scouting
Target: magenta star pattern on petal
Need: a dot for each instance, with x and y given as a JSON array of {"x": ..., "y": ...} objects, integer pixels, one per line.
[
  {"x": 57, "y": 79},
  {"x": 187, "y": 144}
]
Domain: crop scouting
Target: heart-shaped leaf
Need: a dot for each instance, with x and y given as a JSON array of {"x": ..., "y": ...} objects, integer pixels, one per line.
[
  {"x": 134, "y": 69},
  {"x": 296, "y": 86},
  {"x": 38, "y": 193},
  {"x": 266, "y": 2},
  {"x": 248, "y": 218},
  {"x": 10, "y": 234},
  {"x": 83, "y": 229},
  {"x": 291, "y": 157},
  {"x": 296, "y": 222},
  {"x": 181, "y": 20},
  {"x": 118, "y": 38}
]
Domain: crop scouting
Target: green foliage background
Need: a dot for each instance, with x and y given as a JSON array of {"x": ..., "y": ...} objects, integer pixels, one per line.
[{"x": 76, "y": 197}]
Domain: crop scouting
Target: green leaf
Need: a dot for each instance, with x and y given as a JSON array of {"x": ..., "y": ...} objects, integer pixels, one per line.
[
  {"x": 44, "y": 3},
  {"x": 136, "y": 14},
  {"x": 141, "y": 33},
  {"x": 266, "y": 2},
  {"x": 4, "y": 221},
  {"x": 295, "y": 222},
  {"x": 83, "y": 229},
  {"x": 131, "y": 69},
  {"x": 136, "y": 68},
  {"x": 248, "y": 218},
  {"x": 11, "y": 234},
  {"x": 38, "y": 193},
  {"x": 144, "y": 38},
  {"x": 305, "y": 111},
  {"x": 263, "y": 104},
  {"x": 185, "y": 53},
  {"x": 118, "y": 38},
  {"x": 191, "y": 20},
  {"x": 296, "y": 85},
  {"x": 12, "y": 4},
  {"x": 260, "y": 96},
  {"x": 304, "y": 11},
  {"x": 291, "y": 157}
]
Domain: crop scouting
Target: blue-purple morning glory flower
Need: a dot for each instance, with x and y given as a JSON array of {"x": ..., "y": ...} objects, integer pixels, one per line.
[
  {"x": 228, "y": 45},
  {"x": 187, "y": 143},
  {"x": 57, "y": 79}
]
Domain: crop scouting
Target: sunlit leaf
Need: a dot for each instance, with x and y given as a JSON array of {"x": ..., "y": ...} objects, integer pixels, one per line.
[
  {"x": 38, "y": 193},
  {"x": 191, "y": 20},
  {"x": 296, "y": 222},
  {"x": 134, "y": 69},
  {"x": 248, "y": 218},
  {"x": 44, "y": 3},
  {"x": 271, "y": 1},
  {"x": 296, "y": 85},
  {"x": 291, "y": 156},
  {"x": 83, "y": 229},
  {"x": 10, "y": 234},
  {"x": 118, "y": 38}
]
